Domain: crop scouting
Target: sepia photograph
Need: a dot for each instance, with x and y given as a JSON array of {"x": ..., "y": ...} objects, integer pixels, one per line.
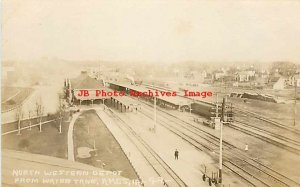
[{"x": 150, "y": 93}]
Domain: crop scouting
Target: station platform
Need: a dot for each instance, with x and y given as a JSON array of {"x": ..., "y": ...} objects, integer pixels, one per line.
[
  {"x": 126, "y": 103},
  {"x": 165, "y": 142},
  {"x": 140, "y": 164},
  {"x": 187, "y": 167}
]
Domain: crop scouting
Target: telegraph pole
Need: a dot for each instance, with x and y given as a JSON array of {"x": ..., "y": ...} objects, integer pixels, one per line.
[
  {"x": 295, "y": 104},
  {"x": 217, "y": 107},
  {"x": 221, "y": 140},
  {"x": 154, "y": 128}
]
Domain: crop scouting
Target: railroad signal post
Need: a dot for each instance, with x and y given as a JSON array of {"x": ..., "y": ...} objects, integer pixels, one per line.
[
  {"x": 154, "y": 127},
  {"x": 221, "y": 139}
]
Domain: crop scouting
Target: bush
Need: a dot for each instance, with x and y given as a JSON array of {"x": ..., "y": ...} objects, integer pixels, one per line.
[{"x": 24, "y": 144}]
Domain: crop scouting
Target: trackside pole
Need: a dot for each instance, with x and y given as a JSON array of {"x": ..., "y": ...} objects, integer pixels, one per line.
[
  {"x": 221, "y": 154},
  {"x": 221, "y": 140},
  {"x": 154, "y": 128}
]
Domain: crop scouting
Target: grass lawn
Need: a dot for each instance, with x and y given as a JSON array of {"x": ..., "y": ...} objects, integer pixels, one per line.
[
  {"x": 108, "y": 151},
  {"x": 48, "y": 142}
]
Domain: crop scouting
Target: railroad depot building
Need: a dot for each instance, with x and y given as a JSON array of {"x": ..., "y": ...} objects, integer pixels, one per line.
[{"x": 73, "y": 87}]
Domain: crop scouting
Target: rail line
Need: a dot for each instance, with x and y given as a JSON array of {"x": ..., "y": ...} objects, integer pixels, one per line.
[
  {"x": 287, "y": 139},
  {"x": 158, "y": 164},
  {"x": 279, "y": 140},
  {"x": 247, "y": 112},
  {"x": 282, "y": 141},
  {"x": 267, "y": 120},
  {"x": 254, "y": 169}
]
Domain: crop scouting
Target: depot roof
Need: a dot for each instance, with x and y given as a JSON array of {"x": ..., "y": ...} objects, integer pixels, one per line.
[
  {"x": 84, "y": 81},
  {"x": 177, "y": 100}
]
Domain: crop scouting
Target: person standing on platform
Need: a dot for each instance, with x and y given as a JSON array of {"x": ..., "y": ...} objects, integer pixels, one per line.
[{"x": 176, "y": 154}]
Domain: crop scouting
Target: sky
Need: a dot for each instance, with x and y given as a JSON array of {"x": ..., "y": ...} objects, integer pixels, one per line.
[{"x": 151, "y": 30}]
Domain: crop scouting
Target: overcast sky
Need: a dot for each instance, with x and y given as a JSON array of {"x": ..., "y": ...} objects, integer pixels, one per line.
[{"x": 158, "y": 31}]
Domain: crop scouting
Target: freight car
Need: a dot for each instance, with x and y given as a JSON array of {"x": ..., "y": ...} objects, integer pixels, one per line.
[
  {"x": 204, "y": 109},
  {"x": 208, "y": 110}
]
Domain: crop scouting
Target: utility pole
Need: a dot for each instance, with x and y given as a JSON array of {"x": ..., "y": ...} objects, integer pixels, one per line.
[
  {"x": 217, "y": 107},
  {"x": 154, "y": 128},
  {"x": 221, "y": 140},
  {"x": 295, "y": 105}
]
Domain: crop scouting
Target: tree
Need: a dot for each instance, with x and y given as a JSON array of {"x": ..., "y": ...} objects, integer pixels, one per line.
[
  {"x": 39, "y": 112},
  {"x": 19, "y": 116},
  {"x": 60, "y": 112},
  {"x": 284, "y": 68},
  {"x": 29, "y": 118}
]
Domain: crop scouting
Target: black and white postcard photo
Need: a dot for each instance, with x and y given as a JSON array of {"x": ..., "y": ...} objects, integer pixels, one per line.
[{"x": 150, "y": 93}]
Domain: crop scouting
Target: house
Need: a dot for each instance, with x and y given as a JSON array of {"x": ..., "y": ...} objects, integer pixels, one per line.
[
  {"x": 204, "y": 74},
  {"x": 189, "y": 75},
  {"x": 219, "y": 74},
  {"x": 263, "y": 74},
  {"x": 280, "y": 84},
  {"x": 208, "y": 79},
  {"x": 245, "y": 76},
  {"x": 292, "y": 80}
]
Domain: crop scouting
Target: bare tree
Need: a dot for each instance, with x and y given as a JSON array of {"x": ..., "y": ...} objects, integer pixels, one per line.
[
  {"x": 39, "y": 113},
  {"x": 19, "y": 116},
  {"x": 61, "y": 112},
  {"x": 29, "y": 118}
]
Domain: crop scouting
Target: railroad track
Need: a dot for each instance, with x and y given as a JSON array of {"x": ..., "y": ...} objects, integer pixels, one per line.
[
  {"x": 254, "y": 172},
  {"x": 293, "y": 132},
  {"x": 170, "y": 178},
  {"x": 285, "y": 142},
  {"x": 267, "y": 120},
  {"x": 279, "y": 136},
  {"x": 247, "y": 112},
  {"x": 273, "y": 138},
  {"x": 289, "y": 138}
]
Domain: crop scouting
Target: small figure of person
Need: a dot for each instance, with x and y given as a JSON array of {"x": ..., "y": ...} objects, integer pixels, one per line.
[{"x": 176, "y": 154}]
